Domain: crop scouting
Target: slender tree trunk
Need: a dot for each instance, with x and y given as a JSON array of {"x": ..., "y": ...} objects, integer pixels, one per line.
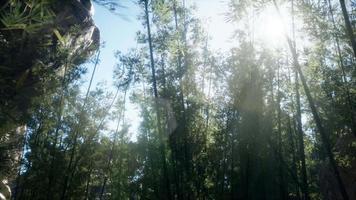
[
  {"x": 76, "y": 133},
  {"x": 293, "y": 137},
  {"x": 301, "y": 140},
  {"x": 209, "y": 92},
  {"x": 294, "y": 160},
  {"x": 300, "y": 135},
  {"x": 233, "y": 175},
  {"x": 349, "y": 30},
  {"x": 155, "y": 90},
  {"x": 246, "y": 179},
  {"x": 283, "y": 190},
  {"x": 184, "y": 130},
  {"x": 318, "y": 121},
  {"x": 59, "y": 118},
  {"x": 112, "y": 150},
  {"x": 103, "y": 188},
  {"x": 341, "y": 64},
  {"x": 88, "y": 182}
]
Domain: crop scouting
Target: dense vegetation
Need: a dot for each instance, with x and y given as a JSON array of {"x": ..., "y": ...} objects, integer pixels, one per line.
[{"x": 254, "y": 122}]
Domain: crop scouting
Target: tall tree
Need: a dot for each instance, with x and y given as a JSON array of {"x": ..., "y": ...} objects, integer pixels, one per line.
[
  {"x": 349, "y": 29},
  {"x": 167, "y": 192}
]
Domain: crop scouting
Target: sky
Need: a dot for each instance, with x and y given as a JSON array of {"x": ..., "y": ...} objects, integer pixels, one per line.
[{"x": 119, "y": 32}]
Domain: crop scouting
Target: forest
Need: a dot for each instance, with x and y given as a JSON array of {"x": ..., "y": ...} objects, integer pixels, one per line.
[{"x": 268, "y": 118}]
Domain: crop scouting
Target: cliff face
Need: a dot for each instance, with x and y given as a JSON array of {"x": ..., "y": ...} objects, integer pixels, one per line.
[
  {"x": 34, "y": 46},
  {"x": 49, "y": 37}
]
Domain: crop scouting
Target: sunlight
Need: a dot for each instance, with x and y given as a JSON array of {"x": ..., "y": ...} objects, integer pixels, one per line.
[
  {"x": 272, "y": 29},
  {"x": 177, "y": 99},
  {"x": 269, "y": 27}
]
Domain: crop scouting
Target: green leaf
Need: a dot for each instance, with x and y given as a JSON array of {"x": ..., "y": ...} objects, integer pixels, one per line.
[{"x": 59, "y": 36}]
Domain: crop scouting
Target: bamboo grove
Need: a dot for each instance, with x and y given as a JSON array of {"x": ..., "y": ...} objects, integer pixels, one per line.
[{"x": 252, "y": 122}]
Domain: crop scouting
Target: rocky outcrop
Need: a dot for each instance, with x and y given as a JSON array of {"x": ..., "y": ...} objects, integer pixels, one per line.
[
  {"x": 5, "y": 191},
  {"x": 31, "y": 51},
  {"x": 34, "y": 50}
]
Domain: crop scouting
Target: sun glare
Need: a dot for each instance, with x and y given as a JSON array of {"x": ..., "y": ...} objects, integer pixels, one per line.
[
  {"x": 270, "y": 29},
  {"x": 267, "y": 25}
]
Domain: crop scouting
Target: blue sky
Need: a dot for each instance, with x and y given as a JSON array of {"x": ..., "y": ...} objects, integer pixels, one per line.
[{"x": 119, "y": 33}]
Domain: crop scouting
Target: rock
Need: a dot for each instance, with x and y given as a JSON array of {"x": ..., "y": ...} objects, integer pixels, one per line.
[
  {"x": 30, "y": 56},
  {"x": 5, "y": 191}
]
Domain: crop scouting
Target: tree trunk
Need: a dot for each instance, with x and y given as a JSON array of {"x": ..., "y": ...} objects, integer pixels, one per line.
[
  {"x": 282, "y": 186},
  {"x": 341, "y": 64},
  {"x": 348, "y": 26},
  {"x": 155, "y": 90},
  {"x": 294, "y": 160},
  {"x": 318, "y": 122},
  {"x": 184, "y": 130},
  {"x": 301, "y": 140},
  {"x": 88, "y": 182},
  {"x": 59, "y": 118},
  {"x": 76, "y": 133},
  {"x": 298, "y": 116}
]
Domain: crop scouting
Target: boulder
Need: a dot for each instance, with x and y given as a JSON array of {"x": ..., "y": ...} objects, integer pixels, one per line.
[
  {"x": 51, "y": 37},
  {"x": 30, "y": 54}
]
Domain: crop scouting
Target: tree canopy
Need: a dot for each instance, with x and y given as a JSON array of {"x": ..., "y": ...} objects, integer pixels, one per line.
[{"x": 273, "y": 117}]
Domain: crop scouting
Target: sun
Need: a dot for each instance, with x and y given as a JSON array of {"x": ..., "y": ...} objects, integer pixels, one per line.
[{"x": 270, "y": 28}]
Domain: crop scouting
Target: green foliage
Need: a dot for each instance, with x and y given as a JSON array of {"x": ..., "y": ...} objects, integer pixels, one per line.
[
  {"x": 221, "y": 126},
  {"x": 29, "y": 16}
]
